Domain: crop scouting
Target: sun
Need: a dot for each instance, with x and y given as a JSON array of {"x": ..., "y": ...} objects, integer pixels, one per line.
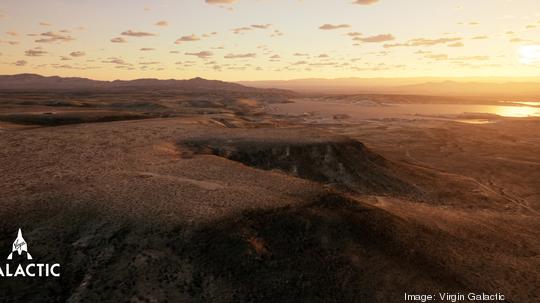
[{"x": 529, "y": 54}]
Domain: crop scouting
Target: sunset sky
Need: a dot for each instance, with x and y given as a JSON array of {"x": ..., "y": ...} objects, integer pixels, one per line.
[{"x": 270, "y": 39}]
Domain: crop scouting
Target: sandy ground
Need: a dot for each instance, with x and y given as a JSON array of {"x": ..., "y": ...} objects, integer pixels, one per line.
[{"x": 231, "y": 205}]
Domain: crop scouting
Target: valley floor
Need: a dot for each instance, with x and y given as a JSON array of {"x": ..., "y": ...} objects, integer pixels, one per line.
[{"x": 226, "y": 203}]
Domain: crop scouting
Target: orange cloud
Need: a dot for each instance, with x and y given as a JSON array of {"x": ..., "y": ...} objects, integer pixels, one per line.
[
  {"x": 77, "y": 54},
  {"x": 220, "y": 1},
  {"x": 117, "y": 61},
  {"x": 118, "y": 40},
  {"x": 36, "y": 52},
  {"x": 189, "y": 38},
  {"x": 20, "y": 63},
  {"x": 276, "y": 33},
  {"x": 261, "y": 26},
  {"x": 240, "y": 56},
  {"x": 457, "y": 44},
  {"x": 239, "y": 30},
  {"x": 202, "y": 54},
  {"x": 424, "y": 42},
  {"x": 376, "y": 38},
  {"x": 365, "y": 2},
  {"x": 333, "y": 26},
  {"x": 51, "y": 37},
  {"x": 136, "y": 34}
]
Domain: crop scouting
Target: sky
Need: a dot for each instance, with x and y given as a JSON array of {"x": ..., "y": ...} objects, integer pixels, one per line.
[{"x": 270, "y": 39}]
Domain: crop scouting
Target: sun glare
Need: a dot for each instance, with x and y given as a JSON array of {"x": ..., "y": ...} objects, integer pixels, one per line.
[
  {"x": 529, "y": 54},
  {"x": 518, "y": 111}
]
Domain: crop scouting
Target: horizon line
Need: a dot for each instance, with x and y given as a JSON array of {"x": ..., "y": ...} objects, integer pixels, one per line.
[{"x": 535, "y": 78}]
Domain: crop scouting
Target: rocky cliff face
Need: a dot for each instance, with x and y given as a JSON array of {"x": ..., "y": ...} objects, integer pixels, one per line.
[{"x": 339, "y": 161}]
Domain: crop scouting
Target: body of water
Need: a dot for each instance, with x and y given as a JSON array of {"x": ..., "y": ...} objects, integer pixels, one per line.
[{"x": 460, "y": 112}]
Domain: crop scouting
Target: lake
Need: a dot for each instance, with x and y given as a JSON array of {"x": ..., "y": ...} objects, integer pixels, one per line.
[{"x": 470, "y": 113}]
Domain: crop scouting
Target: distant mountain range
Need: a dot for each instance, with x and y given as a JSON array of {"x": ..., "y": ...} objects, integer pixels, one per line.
[
  {"x": 33, "y": 82},
  {"x": 500, "y": 88},
  {"x": 461, "y": 87}
]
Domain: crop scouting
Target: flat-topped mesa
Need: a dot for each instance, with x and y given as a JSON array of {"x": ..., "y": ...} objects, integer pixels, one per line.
[{"x": 337, "y": 160}]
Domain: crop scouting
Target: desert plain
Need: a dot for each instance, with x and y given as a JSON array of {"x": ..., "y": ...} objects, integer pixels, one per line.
[{"x": 217, "y": 192}]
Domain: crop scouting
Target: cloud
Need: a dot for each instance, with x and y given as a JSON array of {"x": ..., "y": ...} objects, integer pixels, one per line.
[
  {"x": 117, "y": 61},
  {"x": 202, "y": 54},
  {"x": 66, "y": 66},
  {"x": 276, "y": 33},
  {"x": 324, "y": 64},
  {"x": 189, "y": 38},
  {"x": 424, "y": 42},
  {"x": 218, "y": 2},
  {"x": 239, "y": 30},
  {"x": 438, "y": 57},
  {"x": 13, "y": 34},
  {"x": 208, "y": 35},
  {"x": 457, "y": 44},
  {"x": 162, "y": 23},
  {"x": 518, "y": 40},
  {"x": 261, "y": 26},
  {"x": 77, "y": 54},
  {"x": 332, "y": 26},
  {"x": 36, "y": 52},
  {"x": 136, "y": 34},
  {"x": 118, "y": 40},
  {"x": 479, "y": 37},
  {"x": 239, "y": 56},
  {"x": 20, "y": 63},
  {"x": 354, "y": 34},
  {"x": 445, "y": 57},
  {"x": 45, "y": 24},
  {"x": 376, "y": 38},
  {"x": 365, "y": 2},
  {"x": 51, "y": 37},
  {"x": 300, "y": 54},
  {"x": 429, "y": 42},
  {"x": 146, "y": 49},
  {"x": 476, "y": 58},
  {"x": 10, "y": 42}
]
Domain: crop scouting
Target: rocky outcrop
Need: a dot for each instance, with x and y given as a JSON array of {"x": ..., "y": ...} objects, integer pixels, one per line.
[{"x": 331, "y": 159}]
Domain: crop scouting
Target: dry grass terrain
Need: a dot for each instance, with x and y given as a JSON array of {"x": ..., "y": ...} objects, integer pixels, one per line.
[{"x": 159, "y": 196}]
